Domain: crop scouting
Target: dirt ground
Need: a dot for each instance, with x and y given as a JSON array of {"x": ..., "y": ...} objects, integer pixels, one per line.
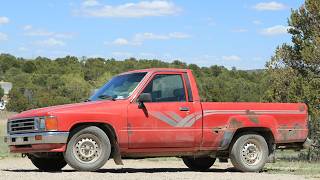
[{"x": 22, "y": 168}]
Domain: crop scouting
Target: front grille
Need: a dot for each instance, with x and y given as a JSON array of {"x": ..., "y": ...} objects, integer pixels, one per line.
[{"x": 22, "y": 125}]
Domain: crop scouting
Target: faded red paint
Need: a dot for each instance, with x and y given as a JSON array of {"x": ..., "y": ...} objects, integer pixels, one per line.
[{"x": 139, "y": 132}]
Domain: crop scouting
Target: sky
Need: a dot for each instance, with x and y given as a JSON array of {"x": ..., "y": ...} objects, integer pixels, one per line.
[{"x": 232, "y": 33}]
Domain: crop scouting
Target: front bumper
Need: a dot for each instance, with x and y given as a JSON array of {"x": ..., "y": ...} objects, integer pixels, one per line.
[{"x": 37, "y": 138}]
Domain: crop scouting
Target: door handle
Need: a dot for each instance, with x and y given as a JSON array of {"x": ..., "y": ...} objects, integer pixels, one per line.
[{"x": 184, "y": 109}]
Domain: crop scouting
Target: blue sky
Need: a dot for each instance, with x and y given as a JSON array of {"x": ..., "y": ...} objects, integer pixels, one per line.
[{"x": 239, "y": 33}]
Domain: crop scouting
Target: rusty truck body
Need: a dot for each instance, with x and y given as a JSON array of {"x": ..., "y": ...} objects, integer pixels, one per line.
[{"x": 154, "y": 113}]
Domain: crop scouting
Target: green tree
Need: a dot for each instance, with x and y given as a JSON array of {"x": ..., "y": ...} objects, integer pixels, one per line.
[
  {"x": 104, "y": 78},
  {"x": 18, "y": 102},
  {"x": 75, "y": 88},
  {"x": 295, "y": 68},
  {"x": 44, "y": 82}
]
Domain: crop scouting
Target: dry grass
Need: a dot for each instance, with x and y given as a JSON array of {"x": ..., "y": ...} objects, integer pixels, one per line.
[
  {"x": 294, "y": 167},
  {"x": 288, "y": 163},
  {"x": 3, "y": 147},
  {"x": 4, "y": 115}
]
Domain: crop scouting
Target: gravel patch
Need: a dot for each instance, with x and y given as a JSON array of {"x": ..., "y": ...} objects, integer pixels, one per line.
[{"x": 22, "y": 168}]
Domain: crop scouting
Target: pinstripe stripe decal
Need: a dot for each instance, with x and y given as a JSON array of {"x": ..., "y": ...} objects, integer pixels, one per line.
[
  {"x": 175, "y": 120},
  {"x": 253, "y": 112}
]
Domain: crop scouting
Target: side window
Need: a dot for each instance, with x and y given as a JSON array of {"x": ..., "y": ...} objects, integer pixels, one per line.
[{"x": 166, "y": 88}]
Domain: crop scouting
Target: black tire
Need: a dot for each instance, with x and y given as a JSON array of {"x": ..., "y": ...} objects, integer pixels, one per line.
[
  {"x": 93, "y": 141},
  {"x": 249, "y": 153},
  {"x": 199, "y": 164},
  {"x": 48, "y": 164}
]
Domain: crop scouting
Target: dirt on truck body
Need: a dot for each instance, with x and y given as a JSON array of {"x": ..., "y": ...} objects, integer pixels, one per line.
[{"x": 154, "y": 113}]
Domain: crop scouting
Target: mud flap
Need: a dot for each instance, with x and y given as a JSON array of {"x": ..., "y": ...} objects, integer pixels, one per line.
[
  {"x": 117, "y": 159},
  {"x": 117, "y": 155},
  {"x": 272, "y": 157},
  {"x": 307, "y": 144}
]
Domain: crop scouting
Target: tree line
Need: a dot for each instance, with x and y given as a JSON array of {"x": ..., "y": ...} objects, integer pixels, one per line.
[{"x": 42, "y": 82}]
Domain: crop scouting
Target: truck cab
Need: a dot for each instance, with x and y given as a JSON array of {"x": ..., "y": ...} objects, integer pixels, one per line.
[{"x": 155, "y": 113}]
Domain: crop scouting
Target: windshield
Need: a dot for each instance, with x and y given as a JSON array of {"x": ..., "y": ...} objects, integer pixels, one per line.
[{"x": 119, "y": 87}]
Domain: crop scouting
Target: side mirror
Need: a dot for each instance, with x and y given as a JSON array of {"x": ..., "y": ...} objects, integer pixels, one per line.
[{"x": 144, "y": 97}]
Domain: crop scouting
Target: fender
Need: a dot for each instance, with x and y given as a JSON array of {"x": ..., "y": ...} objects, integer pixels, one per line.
[
  {"x": 109, "y": 129},
  {"x": 237, "y": 122}
]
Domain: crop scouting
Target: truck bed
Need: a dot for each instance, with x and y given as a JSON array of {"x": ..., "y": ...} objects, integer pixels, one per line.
[{"x": 288, "y": 122}]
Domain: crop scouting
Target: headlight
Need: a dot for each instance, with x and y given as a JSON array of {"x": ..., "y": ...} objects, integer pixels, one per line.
[{"x": 47, "y": 123}]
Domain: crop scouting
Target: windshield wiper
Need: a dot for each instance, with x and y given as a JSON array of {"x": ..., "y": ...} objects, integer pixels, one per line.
[{"x": 105, "y": 96}]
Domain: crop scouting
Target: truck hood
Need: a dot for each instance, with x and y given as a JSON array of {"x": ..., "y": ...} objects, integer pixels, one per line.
[{"x": 52, "y": 110}]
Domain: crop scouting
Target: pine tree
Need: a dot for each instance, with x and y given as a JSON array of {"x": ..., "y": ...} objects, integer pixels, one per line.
[{"x": 295, "y": 67}]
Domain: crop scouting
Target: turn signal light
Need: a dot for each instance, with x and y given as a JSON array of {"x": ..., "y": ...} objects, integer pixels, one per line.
[
  {"x": 38, "y": 137},
  {"x": 51, "y": 123}
]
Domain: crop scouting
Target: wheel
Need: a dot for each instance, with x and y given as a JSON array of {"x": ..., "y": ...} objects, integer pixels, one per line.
[
  {"x": 198, "y": 164},
  {"x": 88, "y": 149},
  {"x": 249, "y": 153},
  {"x": 48, "y": 163}
]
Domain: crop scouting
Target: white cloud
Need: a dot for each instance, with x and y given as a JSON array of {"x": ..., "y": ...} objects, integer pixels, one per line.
[
  {"x": 120, "y": 41},
  {"x": 275, "y": 30},
  {"x": 210, "y": 21},
  {"x": 4, "y": 20},
  {"x": 3, "y": 36},
  {"x": 231, "y": 58},
  {"x": 27, "y": 27},
  {"x": 30, "y": 31},
  {"x": 132, "y": 10},
  {"x": 138, "y": 39},
  {"x": 64, "y": 35},
  {"x": 269, "y": 6},
  {"x": 240, "y": 30},
  {"x": 23, "y": 49},
  {"x": 51, "y": 42},
  {"x": 149, "y": 36},
  {"x": 179, "y": 35},
  {"x": 39, "y": 32},
  {"x": 90, "y": 3},
  {"x": 257, "y": 22}
]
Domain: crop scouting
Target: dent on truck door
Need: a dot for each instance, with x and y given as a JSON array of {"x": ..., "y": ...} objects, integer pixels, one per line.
[{"x": 170, "y": 120}]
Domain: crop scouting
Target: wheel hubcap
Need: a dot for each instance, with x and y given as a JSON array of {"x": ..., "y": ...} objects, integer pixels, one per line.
[
  {"x": 87, "y": 149},
  {"x": 251, "y": 153}
]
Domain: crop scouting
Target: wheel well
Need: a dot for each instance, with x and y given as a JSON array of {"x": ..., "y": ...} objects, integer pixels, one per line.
[
  {"x": 107, "y": 128},
  {"x": 264, "y": 132}
]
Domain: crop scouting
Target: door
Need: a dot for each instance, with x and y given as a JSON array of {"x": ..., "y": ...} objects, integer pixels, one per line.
[{"x": 170, "y": 120}]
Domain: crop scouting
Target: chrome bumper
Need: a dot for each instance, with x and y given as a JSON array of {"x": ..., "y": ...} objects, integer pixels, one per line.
[{"x": 37, "y": 138}]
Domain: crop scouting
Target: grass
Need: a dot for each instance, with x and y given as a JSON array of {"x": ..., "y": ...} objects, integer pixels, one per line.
[
  {"x": 4, "y": 150},
  {"x": 288, "y": 163},
  {"x": 294, "y": 167}
]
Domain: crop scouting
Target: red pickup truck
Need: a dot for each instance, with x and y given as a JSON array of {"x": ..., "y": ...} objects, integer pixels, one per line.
[{"x": 155, "y": 113}]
